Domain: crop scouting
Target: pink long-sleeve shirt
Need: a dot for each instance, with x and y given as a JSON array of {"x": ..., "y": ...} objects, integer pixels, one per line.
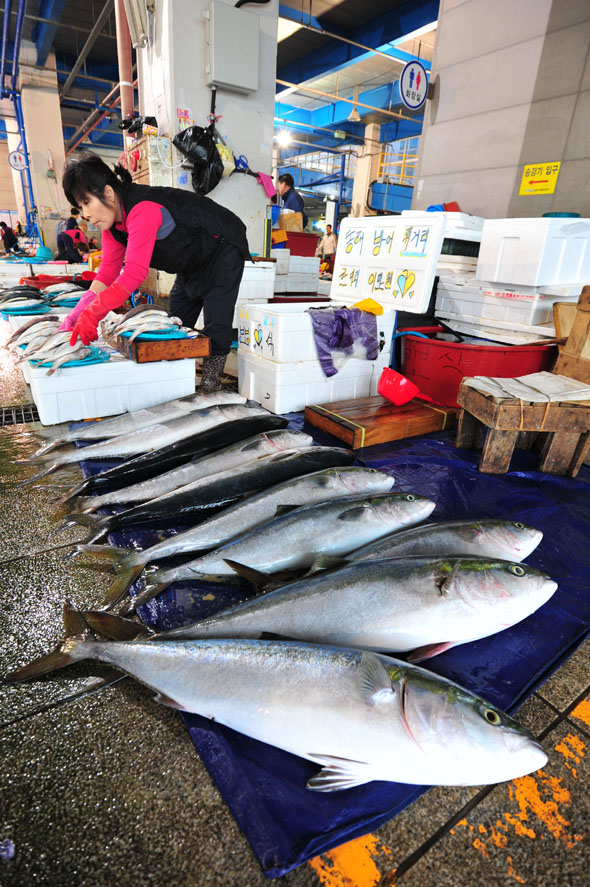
[{"x": 147, "y": 222}]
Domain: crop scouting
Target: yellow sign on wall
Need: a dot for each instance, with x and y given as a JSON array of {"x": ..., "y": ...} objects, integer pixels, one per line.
[{"x": 539, "y": 178}]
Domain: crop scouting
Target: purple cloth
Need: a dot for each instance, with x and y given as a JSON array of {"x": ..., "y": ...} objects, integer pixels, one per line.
[{"x": 337, "y": 329}]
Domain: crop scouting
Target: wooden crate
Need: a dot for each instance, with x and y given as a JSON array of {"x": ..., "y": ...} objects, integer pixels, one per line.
[
  {"x": 374, "y": 420},
  {"x": 162, "y": 349}
]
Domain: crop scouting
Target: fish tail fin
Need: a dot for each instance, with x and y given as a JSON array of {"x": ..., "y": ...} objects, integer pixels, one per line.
[
  {"x": 98, "y": 524},
  {"x": 72, "y": 493},
  {"x": 29, "y": 480},
  {"x": 149, "y": 592},
  {"x": 120, "y": 586},
  {"x": 47, "y": 447},
  {"x": 67, "y": 651},
  {"x": 115, "y": 557},
  {"x": 114, "y": 627}
]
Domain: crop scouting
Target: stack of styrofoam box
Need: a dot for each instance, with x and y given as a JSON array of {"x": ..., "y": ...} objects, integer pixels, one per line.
[
  {"x": 295, "y": 274},
  {"x": 106, "y": 389},
  {"x": 278, "y": 365},
  {"x": 459, "y": 226}
]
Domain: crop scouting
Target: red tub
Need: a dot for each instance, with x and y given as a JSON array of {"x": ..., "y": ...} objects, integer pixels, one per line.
[{"x": 438, "y": 367}]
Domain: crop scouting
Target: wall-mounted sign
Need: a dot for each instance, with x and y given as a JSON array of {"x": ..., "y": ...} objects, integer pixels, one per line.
[
  {"x": 17, "y": 160},
  {"x": 413, "y": 85},
  {"x": 539, "y": 178}
]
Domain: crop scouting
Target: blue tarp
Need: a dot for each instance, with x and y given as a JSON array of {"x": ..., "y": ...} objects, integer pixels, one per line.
[{"x": 264, "y": 787}]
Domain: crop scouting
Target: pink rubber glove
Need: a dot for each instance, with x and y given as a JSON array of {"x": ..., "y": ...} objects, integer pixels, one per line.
[
  {"x": 87, "y": 324},
  {"x": 71, "y": 318}
]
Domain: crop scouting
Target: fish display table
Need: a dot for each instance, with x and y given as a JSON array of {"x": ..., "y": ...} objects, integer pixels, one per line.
[{"x": 566, "y": 424}]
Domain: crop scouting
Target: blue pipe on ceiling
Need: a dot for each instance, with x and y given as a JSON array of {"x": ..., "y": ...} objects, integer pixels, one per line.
[
  {"x": 20, "y": 20},
  {"x": 5, "y": 25}
]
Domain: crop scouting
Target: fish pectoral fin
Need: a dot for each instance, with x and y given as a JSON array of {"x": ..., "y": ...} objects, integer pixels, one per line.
[
  {"x": 358, "y": 513},
  {"x": 339, "y": 773},
  {"x": 326, "y": 562},
  {"x": 255, "y": 577},
  {"x": 375, "y": 681},
  {"x": 429, "y": 650},
  {"x": 167, "y": 700},
  {"x": 285, "y": 509}
]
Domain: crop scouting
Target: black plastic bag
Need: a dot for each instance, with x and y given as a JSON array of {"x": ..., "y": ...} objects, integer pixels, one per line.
[{"x": 199, "y": 146}]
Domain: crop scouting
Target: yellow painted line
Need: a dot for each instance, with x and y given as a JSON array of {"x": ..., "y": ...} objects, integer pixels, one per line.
[
  {"x": 350, "y": 865},
  {"x": 582, "y": 712}
]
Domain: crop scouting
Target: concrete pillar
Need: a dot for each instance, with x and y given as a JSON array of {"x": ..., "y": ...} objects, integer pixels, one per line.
[
  {"x": 512, "y": 88},
  {"x": 12, "y": 143},
  {"x": 171, "y": 76},
  {"x": 367, "y": 168},
  {"x": 331, "y": 218},
  {"x": 42, "y": 119}
]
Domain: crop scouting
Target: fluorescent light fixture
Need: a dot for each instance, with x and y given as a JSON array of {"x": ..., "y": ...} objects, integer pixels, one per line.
[
  {"x": 285, "y": 28},
  {"x": 283, "y": 138},
  {"x": 354, "y": 115},
  {"x": 137, "y": 11}
]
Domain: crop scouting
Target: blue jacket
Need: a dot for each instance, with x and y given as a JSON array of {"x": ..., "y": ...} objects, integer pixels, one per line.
[{"x": 293, "y": 200}]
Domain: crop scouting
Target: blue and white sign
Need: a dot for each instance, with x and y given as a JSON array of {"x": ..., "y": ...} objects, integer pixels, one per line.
[
  {"x": 413, "y": 85},
  {"x": 17, "y": 160}
]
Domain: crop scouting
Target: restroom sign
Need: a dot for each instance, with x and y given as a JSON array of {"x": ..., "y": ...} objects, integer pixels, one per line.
[
  {"x": 539, "y": 178},
  {"x": 17, "y": 160},
  {"x": 413, "y": 85}
]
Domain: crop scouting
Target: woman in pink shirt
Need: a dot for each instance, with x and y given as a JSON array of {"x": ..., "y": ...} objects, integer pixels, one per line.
[{"x": 164, "y": 228}]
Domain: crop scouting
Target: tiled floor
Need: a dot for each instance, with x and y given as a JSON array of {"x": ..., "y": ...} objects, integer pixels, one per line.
[{"x": 108, "y": 789}]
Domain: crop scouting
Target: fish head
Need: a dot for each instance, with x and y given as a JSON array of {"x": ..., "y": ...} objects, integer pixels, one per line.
[
  {"x": 511, "y": 540},
  {"x": 352, "y": 480},
  {"x": 465, "y": 739},
  {"x": 502, "y": 592},
  {"x": 404, "y": 509}
]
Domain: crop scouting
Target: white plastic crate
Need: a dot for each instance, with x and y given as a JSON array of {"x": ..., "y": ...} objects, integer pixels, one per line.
[
  {"x": 284, "y": 333},
  {"x": 284, "y": 387},
  {"x": 535, "y": 251},
  {"x": 257, "y": 281},
  {"x": 107, "y": 389}
]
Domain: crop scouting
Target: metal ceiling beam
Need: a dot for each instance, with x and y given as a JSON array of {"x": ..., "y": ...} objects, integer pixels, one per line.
[
  {"x": 375, "y": 34},
  {"x": 379, "y": 99},
  {"x": 100, "y": 21},
  {"x": 50, "y": 21},
  {"x": 43, "y": 33}
]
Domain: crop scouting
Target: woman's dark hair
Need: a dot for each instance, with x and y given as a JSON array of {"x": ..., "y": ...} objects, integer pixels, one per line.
[
  {"x": 82, "y": 247},
  {"x": 3, "y": 225},
  {"x": 88, "y": 174}
]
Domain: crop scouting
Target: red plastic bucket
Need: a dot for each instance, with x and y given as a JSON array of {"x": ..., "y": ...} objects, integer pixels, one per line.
[
  {"x": 302, "y": 244},
  {"x": 438, "y": 367}
]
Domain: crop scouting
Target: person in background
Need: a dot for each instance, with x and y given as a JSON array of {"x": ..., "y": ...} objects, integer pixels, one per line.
[
  {"x": 168, "y": 229},
  {"x": 72, "y": 222},
  {"x": 8, "y": 237},
  {"x": 71, "y": 246},
  {"x": 290, "y": 198},
  {"x": 19, "y": 229},
  {"x": 327, "y": 248}
]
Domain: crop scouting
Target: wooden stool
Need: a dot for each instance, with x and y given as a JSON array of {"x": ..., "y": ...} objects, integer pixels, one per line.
[{"x": 567, "y": 427}]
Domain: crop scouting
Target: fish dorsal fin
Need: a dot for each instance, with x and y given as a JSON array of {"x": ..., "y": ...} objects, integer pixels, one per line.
[
  {"x": 375, "y": 681},
  {"x": 285, "y": 509},
  {"x": 358, "y": 513},
  {"x": 255, "y": 577},
  {"x": 338, "y": 773}
]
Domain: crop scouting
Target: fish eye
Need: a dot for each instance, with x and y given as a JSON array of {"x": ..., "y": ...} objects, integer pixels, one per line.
[
  {"x": 519, "y": 526},
  {"x": 491, "y": 716},
  {"x": 410, "y": 498},
  {"x": 517, "y": 569}
]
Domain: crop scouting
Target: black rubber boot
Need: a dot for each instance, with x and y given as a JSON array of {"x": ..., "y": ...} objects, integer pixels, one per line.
[{"x": 212, "y": 371}]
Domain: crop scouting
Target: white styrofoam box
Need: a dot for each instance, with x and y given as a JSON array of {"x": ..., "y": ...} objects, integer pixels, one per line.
[
  {"x": 497, "y": 330},
  {"x": 489, "y": 302},
  {"x": 453, "y": 219},
  {"x": 284, "y": 333},
  {"x": 304, "y": 265},
  {"x": 257, "y": 280},
  {"x": 282, "y": 256},
  {"x": 280, "y": 283},
  {"x": 324, "y": 287},
  {"x": 391, "y": 259},
  {"x": 535, "y": 251},
  {"x": 107, "y": 389},
  {"x": 284, "y": 387},
  {"x": 302, "y": 283}
]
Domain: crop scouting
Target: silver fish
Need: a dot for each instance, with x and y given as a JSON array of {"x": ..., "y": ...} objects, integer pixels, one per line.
[
  {"x": 76, "y": 353},
  {"x": 234, "y": 456},
  {"x": 509, "y": 540},
  {"x": 162, "y": 412},
  {"x": 36, "y": 319},
  {"x": 426, "y": 605},
  {"x": 360, "y": 716}
]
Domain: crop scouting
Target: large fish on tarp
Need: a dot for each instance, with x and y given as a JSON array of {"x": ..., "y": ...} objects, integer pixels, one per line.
[
  {"x": 190, "y": 503},
  {"x": 153, "y": 437},
  {"x": 320, "y": 486},
  {"x": 509, "y": 540},
  {"x": 425, "y": 605},
  {"x": 234, "y": 456},
  {"x": 178, "y": 453},
  {"x": 162, "y": 412},
  {"x": 358, "y": 715}
]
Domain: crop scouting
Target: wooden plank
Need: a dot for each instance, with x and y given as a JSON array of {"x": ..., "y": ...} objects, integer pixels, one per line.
[
  {"x": 369, "y": 421},
  {"x": 573, "y": 367},
  {"x": 559, "y": 453},
  {"x": 469, "y": 432},
  {"x": 161, "y": 349},
  {"x": 508, "y": 415},
  {"x": 497, "y": 452}
]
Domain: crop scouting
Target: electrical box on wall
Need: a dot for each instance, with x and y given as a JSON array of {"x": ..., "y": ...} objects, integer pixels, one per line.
[{"x": 232, "y": 48}]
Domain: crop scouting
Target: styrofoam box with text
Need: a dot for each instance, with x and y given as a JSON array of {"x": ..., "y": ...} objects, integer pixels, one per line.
[
  {"x": 284, "y": 333},
  {"x": 107, "y": 389},
  {"x": 491, "y": 303},
  {"x": 284, "y": 387},
  {"x": 497, "y": 330},
  {"x": 391, "y": 259}
]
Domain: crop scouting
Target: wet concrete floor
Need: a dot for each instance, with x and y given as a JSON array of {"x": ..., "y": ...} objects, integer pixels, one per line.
[{"x": 109, "y": 789}]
